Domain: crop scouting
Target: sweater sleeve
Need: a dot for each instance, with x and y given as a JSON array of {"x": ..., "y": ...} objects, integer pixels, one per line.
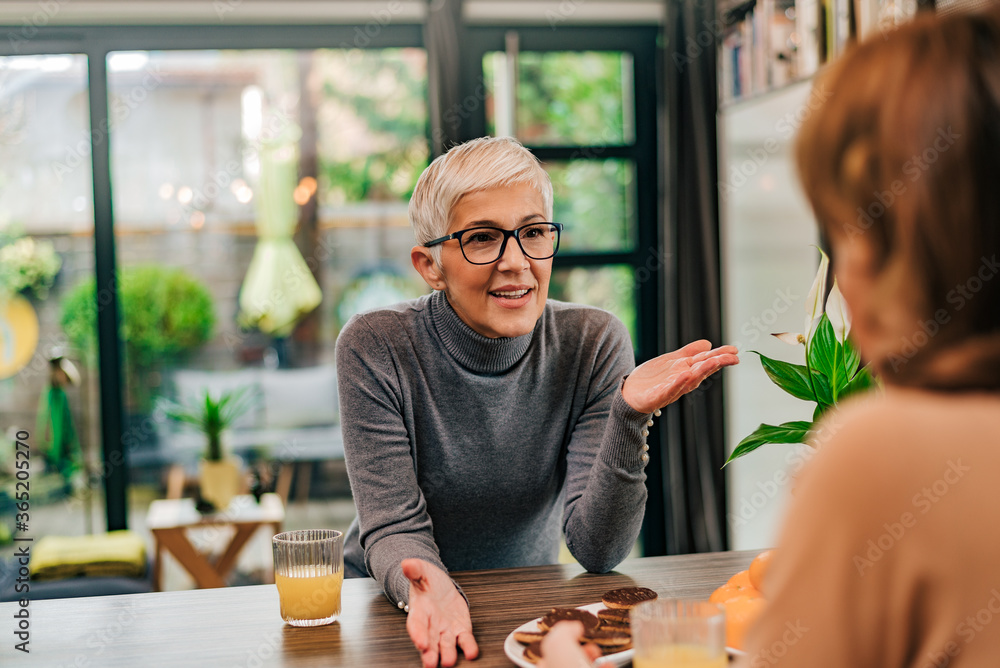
[
  {"x": 392, "y": 512},
  {"x": 605, "y": 477}
]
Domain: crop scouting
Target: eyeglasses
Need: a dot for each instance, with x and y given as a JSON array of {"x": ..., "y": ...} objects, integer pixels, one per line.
[{"x": 486, "y": 245}]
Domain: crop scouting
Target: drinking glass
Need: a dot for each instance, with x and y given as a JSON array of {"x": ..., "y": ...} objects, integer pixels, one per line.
[
  {"x": 309, "y": 573},
  {"x": 679, "y": 633}
]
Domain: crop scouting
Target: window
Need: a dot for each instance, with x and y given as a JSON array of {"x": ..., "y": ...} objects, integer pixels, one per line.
[
  {"x": 582, "y": 101},
  {"x": 46, "y": 246}
]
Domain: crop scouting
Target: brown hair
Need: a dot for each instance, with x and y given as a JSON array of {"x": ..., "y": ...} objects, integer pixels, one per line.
[{"x": 904, "y": 156}]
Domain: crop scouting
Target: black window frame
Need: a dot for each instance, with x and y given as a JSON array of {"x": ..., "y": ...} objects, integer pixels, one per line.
[{"x": 643, "y": 151}]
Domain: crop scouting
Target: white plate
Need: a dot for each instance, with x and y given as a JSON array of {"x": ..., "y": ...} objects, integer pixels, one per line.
[{"x": 515, "y": 650}]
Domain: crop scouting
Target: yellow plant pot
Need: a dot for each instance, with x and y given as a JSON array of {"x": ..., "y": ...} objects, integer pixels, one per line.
[{"x": 220, "y": 481}]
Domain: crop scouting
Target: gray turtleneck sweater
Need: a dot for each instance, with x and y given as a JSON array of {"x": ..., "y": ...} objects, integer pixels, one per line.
[{"x": 470, "y": 452}]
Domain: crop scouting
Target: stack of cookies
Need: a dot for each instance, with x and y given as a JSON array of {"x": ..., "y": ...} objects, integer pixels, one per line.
[{"x": 609, "y": 629}]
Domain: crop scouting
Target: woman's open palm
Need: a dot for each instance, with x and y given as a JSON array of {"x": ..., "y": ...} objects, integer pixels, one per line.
[{"x": 665, "y": 379}]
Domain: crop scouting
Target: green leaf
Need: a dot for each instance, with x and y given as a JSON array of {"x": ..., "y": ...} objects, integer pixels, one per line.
[
  {"x": 852, "y": 358},
  {"x": 824, "y": 393},
  {"x": 789, "y": 432},
  {"x": 823, "y": 355},
  {"x": 862, "y": 382},
  {"x": 792, "y": 378}
]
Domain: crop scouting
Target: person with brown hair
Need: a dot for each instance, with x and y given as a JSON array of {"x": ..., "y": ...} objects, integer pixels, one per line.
[{"x": 889, "y": 555}]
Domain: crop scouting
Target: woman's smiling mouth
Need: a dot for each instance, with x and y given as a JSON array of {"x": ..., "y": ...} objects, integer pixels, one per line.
[{"x": 511, "y": 298}]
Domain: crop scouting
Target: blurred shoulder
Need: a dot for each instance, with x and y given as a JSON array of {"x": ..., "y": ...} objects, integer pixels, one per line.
[
  {"x": 384, "y": 321},
  {"x": 897, "y": 435}
]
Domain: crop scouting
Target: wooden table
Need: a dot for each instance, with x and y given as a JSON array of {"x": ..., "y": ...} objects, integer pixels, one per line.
[
  {"x": 170, "y": 520},
  {"x": 240, "y": 626}
]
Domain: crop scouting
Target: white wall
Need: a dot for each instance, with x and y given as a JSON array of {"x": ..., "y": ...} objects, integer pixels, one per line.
[{"x": 768, "y": 264}]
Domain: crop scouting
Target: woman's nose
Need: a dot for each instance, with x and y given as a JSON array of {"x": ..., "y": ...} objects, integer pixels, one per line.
[{"x": 513, "y": 258}]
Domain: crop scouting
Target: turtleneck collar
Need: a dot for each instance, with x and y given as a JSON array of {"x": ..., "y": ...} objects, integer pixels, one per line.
[{"x": 475, "y": 352}]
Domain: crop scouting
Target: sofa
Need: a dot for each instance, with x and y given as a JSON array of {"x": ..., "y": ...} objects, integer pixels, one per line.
[{"x": 294, "y": 416}]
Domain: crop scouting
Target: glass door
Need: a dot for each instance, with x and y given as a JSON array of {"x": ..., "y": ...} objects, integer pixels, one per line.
[{"x": 48, "y": 385}]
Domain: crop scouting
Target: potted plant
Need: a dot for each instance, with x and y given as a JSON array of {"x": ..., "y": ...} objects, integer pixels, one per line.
[
  {"x": 218, "y": 474},
  {"x": 831, "y": 373}
]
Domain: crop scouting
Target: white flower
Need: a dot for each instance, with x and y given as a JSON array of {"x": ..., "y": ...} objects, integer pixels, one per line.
[
  {"x": 814, "y": 302},
  {"x": 791, "y": 338},
  {"x": 836, "y": 311}
]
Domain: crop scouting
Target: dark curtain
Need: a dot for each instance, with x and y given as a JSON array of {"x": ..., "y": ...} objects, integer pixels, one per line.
[
  {"x": 441, "y": 39},
  {"x": 692, "y": 434}
]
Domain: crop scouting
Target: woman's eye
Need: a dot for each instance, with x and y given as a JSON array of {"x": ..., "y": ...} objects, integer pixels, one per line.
[{"x": 481, "y": 238}]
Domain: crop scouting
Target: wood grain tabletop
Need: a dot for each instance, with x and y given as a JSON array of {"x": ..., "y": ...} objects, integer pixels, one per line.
[{"x": 240, "y": 626}]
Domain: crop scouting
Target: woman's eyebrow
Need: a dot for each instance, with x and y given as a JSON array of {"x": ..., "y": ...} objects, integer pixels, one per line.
[{"x": 493, "y": 223}]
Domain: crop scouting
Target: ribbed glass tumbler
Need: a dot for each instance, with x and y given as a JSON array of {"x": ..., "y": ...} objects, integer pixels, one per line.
[{"x": 309, "y": 574}]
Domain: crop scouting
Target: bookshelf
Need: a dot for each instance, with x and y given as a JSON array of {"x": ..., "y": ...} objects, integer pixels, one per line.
[{"x": 768, "y": 44}]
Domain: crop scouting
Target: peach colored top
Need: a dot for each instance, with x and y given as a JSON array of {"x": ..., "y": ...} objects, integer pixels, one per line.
[{"x": 890, "y": 554}]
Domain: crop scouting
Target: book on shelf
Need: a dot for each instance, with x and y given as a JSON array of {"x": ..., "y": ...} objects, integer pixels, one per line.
[
  {"x": 757, "y": 48},
  {"x": 768, "y": 43}
]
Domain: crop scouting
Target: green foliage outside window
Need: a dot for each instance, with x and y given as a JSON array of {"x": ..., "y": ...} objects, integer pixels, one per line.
[
  {"x": 570, "y": 98},
  {"x": 164, "y": 312},
  {"x": 374, "y": 118}
]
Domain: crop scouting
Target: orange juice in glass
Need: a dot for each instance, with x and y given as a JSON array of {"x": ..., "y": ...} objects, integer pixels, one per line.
[
  {"x": 679, "y": 633},
  {"x": 309, "y": 574}
]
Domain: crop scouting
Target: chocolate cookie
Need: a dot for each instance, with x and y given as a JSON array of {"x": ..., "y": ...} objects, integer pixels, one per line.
[
  {"x": 608, "y": 638},
  {"x": 627, "y": 597},
  {"x": 528, "y": 637},
  {"x": 616, "y": 616},
  {"x": 588, "y": 619},
  {"x": 614, "y": 650},
  {"x": 533, "y": 652}
]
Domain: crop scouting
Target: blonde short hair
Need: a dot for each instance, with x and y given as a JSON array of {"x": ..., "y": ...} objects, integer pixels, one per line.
[{"x": 480, "y": 164}]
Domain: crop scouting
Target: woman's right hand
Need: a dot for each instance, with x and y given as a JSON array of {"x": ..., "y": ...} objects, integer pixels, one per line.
[{"x": 438, "y": 621}]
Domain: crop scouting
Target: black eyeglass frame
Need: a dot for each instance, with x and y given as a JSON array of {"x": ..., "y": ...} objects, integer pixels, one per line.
[{"x": 507, "y": 234}]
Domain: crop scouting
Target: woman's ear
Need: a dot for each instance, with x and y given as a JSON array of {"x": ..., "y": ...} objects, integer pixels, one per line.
[{"x": 428, "y": 269}]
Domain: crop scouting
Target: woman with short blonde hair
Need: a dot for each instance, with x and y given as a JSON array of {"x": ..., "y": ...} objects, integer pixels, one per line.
[{"x": 484, "y": 422}]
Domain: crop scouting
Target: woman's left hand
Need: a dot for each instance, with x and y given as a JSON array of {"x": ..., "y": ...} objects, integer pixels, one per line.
[{"x": 665, "y": 379}]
